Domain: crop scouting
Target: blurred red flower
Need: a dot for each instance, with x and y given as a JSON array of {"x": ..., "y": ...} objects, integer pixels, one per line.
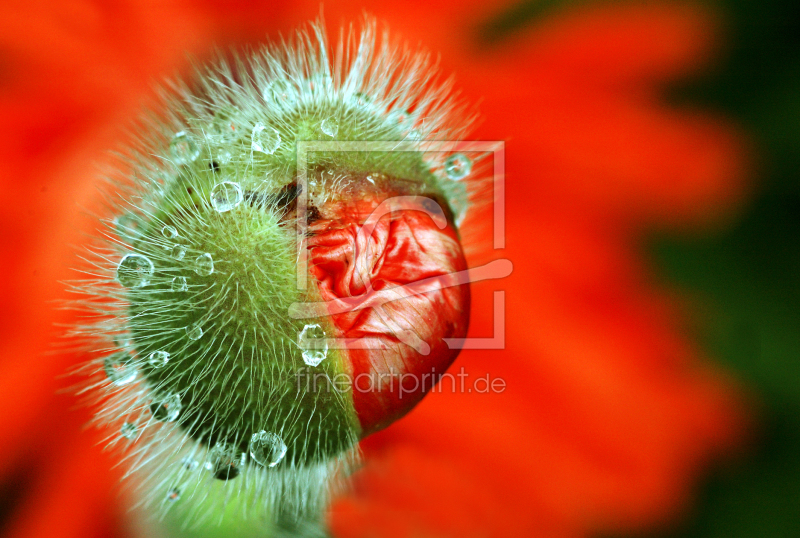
[{"x": 608, "y": 413}]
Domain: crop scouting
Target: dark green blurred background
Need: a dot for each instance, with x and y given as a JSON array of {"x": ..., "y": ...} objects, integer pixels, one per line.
[
  {"x": 749, "y": 276},
  {"x": 745, "y": 279}
]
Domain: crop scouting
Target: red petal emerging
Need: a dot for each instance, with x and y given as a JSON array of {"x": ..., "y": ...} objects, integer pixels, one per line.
[{"x": 404, "y": 352}]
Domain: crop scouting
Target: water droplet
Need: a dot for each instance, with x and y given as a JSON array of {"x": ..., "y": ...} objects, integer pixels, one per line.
[
  {"x": 330, "y": 126},
  {"x": 265, "y": 139},
  {"x": 183, "y": 148},
  {"x": 119, "y": 368},
  {"x": 267, "y": 448},
  {"x": 402, "y": 117},
  {"x": 223, "y": 127},
  {"x": 178, "y": 252},
  {"x": 169, "y": 232},
  {"x": 189, "y": 464},
  {"x": 194, "y": 332},
  {"x": 280, "y": 92},
  {"x": 173, "y": 495},
  {"x": 223, "y": 462},
  {"x": 319, "y": 84},
  {"x": 224, "y": 156},
  {"x": 128, "y": 226},
  {"x": 362, "y": 99},
  {"x": 134, "y": 271},
  {"x": 457, "y": 166},
  {"x": 414, "y": 135},
  {"x": 158, "y": 359},
  {"x": 122, "y": 340},
  {"x": 313, "y": 343},
  {"x": 204, "y": 264},
  {"x": 226, "y": 195},
  {"x": 167, "y": 408},
  {"x": 128, "y": 430},
  {"x": 179, "y": 284}
]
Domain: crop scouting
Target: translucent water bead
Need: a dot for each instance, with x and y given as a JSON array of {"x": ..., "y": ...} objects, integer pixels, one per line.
[
  {"x": 204, "y": 264},
  {"x": 158, "y": 359},
  {"x": 179, "y": 284},
  {"x": 183, "y": 148},
  {"x": 134, "y": 271},
  {"x": 330, "y": 126},
  {"x": 128, "y": 430},
  {"x": 457, "y": 166},
  {"x": 119, "y": 368},
  {"x": 362, "y": 99},
  {"x": 315, "y": 348},
  {"x": 226, "y": 195},
  {"x": 122, "y": 340},
  {"x": 265, "y": 139},
  {"x": 224, "y": 462},
  {"x": 414, "y": 135},
  {"x": 166, "y": 408},
  {"x": 189, "y": 464},
  {"x": 223, "y": 127},
  {"x": 224, "y": 156},
  {"x": 174, "y": 495},
  {"x": 128, "y": 226},
  {"x": 178, "y": 252},
  {"x": 170, "y": 232},
  {"x": 280, "y": 92},
  {"x": 194, "y": 332},
  {"x": 267, "y": 448}
]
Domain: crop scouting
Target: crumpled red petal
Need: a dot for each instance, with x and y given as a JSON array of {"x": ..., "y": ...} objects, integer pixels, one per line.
[{"x": 403, "y": 350}]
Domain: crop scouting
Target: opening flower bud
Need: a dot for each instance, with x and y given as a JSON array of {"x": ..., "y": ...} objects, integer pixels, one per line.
[{"x": 281, "y": 274}]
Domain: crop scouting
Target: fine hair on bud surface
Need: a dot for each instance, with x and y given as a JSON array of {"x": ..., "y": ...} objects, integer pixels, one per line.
[{"x": 184, "y": 297}]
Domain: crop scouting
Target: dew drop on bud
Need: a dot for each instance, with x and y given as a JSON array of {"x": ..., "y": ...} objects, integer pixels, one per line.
[
  {"x": 223, "y": 127},
  {"x": 194, "y": 332},
  {"x": 134, "y": 271},
  {"x": 189, "y": 464},
  {"x": 361, "y": 99},
  {"x": 169, "y": 232},
  {"x": 128, "y": 226},
  {"x": 122, "y": 340},
  {"x": 267, "y": 448},
  {"x": 166, "y": 408},
  {"x": 224, "y": 156},
  {"x": 204, "y": 264},
  {"x": 173, "y": 495},
  {"x": 330, "y": 126},
  {"x": 280, "y": 93},
  {"x": 158, "y": 359},
  {"x": 414, "y": 135},
  {"x": 183, "y": 148},
  {"x": 226, "y": 195},
  {"x": 223, "y": 462},
  {"x": 265, "y": 139},
  {"x": 119, "y": 368},
  {"x": 178, "y": 252},
  {"x": 313, "y": 343},
  {"x": 457, "y": 166},
  {"x": 179, "y": 284},
  {"x": 128, "y": 430},
  {"x": 402, "y": 117}
]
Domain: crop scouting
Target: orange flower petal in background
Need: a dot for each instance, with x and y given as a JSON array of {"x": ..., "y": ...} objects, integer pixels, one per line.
[
  {"x": 608, "y": 412},
  {"x": 74, "y": 74}
]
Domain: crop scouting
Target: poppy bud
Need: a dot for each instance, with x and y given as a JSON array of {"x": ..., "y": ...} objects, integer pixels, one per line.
[{"x": 227, "y": 358}]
